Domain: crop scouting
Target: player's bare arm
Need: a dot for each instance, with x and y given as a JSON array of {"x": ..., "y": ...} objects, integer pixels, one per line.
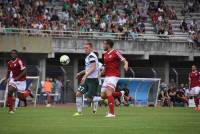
[
  {"x": 125, "y": 62},
  {"x": 79, "y": 74}
]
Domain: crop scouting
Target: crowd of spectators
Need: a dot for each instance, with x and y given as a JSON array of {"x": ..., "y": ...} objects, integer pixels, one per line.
[
  {"x": 123, "y": 17},
  {"x": 190, "y": 6},
  {"x": 171, "y": 95},
  {"x": 161, "y": 14}
]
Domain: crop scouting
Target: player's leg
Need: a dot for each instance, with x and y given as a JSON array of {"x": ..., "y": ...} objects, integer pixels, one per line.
[
  {"x": 93, "y": 92},
  {"x": 196, "y": 97},
  {"x": 79, "y": 98},
  {"x": 119, "y": 94},
  {"x": 110, "y": 98},
  {"x": 11, "y": 90}
]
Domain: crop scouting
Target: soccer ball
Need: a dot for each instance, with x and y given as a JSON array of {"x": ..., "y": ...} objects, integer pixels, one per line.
[{"x": 64, "y": 59}]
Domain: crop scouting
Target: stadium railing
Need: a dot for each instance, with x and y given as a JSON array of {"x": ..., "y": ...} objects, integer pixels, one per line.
[{"x": 94, "y": 35}]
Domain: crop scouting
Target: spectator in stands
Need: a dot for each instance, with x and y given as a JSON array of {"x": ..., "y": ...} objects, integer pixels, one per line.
[
  {"x": 172, "y": 95},
  {"x": 134, "y": 33},
  {"x": 141, "y": 27},
  {"x": 183, "y": 26},
  {"x": 196, "y": 38},
  {"x": 170, "y": 29},
  {"x": 152, "y": 8},
  {"x": 172, "y": 13},
  {"x": 47, "y": 90}
]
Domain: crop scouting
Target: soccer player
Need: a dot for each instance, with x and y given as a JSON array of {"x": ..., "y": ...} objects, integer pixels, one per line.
[
  {"x": 17, "y": 73},
  {"x": 112, "y": 59},
  {"x": 89, "y": 82},
  {"x": 194, "y": 83}
]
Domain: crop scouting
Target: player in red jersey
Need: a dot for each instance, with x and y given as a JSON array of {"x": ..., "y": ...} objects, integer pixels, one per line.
[
  {"x": 16, "y": 75},
  {"x": 112, "y": 60},
  {"x": 194, "y": 84}
]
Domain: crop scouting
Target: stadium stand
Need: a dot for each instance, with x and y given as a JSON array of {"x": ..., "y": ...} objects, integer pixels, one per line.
[{"x": 124, "y": 20}]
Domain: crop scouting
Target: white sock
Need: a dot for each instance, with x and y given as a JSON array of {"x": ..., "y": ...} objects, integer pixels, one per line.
[
  {"x": 16, "y": 102},
  {"x": 97, "y": 98},
  {"x": 79, "y": 102}
]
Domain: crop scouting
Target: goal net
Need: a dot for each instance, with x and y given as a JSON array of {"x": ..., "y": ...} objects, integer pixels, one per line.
[
  {"x": 32, "y": 83},
  {"x": 144, "y": 91}
]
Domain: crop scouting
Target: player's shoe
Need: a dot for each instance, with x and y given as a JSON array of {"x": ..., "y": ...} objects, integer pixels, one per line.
[
  {"x": 94, "y": 112},
  {"x": 78, "y": 114},
  {"x": 11, "y": 112},
  {"x": 197, "y": 108},
  {"x": 122, "y": 97},
  {"x": 109, "y": 115}
]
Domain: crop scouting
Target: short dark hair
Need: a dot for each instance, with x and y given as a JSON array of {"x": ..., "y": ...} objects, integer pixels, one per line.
[
  {"x": 14, "y": 50},
  {"x": 110, "y": 43},
  {"x": 90, "y": 44}
]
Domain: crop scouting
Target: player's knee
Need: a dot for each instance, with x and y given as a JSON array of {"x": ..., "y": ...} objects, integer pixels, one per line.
[
  {"x": 10, "y": 90},
  {"x": 109, "y": 92},
  {"x": 78, "y": 94}
]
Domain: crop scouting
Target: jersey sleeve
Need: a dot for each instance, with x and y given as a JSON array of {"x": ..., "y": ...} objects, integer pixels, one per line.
[
  {"x": 22, "y": 67},
  {"x": 119, "y": 55},
  {"x": 92, "y": 59}
]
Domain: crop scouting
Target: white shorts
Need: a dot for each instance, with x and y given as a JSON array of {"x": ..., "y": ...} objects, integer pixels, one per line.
[
  {"x": 109, "y": 82},
  {"x": 20, "y": 85},
  {"x": 195, "y": 90}
]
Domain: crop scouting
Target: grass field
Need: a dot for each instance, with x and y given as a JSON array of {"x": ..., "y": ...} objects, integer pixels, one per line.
[{"x": 129, "y": 120}]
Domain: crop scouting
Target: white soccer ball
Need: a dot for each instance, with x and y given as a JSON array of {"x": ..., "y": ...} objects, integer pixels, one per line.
[{"x": 64, "y": 59}]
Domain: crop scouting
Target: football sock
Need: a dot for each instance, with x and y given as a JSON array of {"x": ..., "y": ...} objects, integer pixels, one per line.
[
  {"x": 196, "y": 100},
  {"x": 96, "y": 99},
  {"x": 10, "y": 102},
  {"x": 117, "y": 94},
  {"x": 111, "y": 104},
  {"x": 79, "y": 102}
]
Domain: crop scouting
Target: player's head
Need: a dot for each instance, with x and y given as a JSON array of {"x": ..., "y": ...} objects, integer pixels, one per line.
[
  {"x": 194, "y": 68},
  {"x": 108, "y": 44},
  {"x": 14, "y": 54},
  {"x": 88, "y": 48}
]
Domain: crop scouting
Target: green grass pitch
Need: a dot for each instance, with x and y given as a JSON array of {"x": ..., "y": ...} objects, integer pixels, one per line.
[{"x": 129, "y": 120}]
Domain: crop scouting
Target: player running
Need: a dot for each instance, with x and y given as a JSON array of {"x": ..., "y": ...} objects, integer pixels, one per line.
[
  {"x": 89, "y": 82},
  {"x": 16, "y": 71},
  {"x": 194, "y": 83},
  {"x": 112, "y": 59}
]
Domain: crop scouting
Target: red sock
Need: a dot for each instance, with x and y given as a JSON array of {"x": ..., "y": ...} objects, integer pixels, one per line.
[
  {"x": 10, "y": 103},
  {"x": 196, "y": 100},
  {"x": 117, "y": 94},
  {"x": 111, "y": 104}
]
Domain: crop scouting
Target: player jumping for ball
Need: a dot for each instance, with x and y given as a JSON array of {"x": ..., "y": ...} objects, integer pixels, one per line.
[
  {"x": 112, "y": 59},
  {"x": 16, "y": 75},
  {"x": 194, "y": 85},
  {"x": 89, "y": 82}
]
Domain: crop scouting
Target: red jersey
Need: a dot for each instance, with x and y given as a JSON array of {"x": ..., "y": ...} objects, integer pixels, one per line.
[
  {"x": 16, "y": 67},
  {"x": 112, "y": 60},
  {"x": 194, "y": 78}
]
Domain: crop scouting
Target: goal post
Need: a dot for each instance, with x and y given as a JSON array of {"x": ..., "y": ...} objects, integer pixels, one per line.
[
  {"x": 144, "y": 91},
  {"x": 32, "y": 83}
]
